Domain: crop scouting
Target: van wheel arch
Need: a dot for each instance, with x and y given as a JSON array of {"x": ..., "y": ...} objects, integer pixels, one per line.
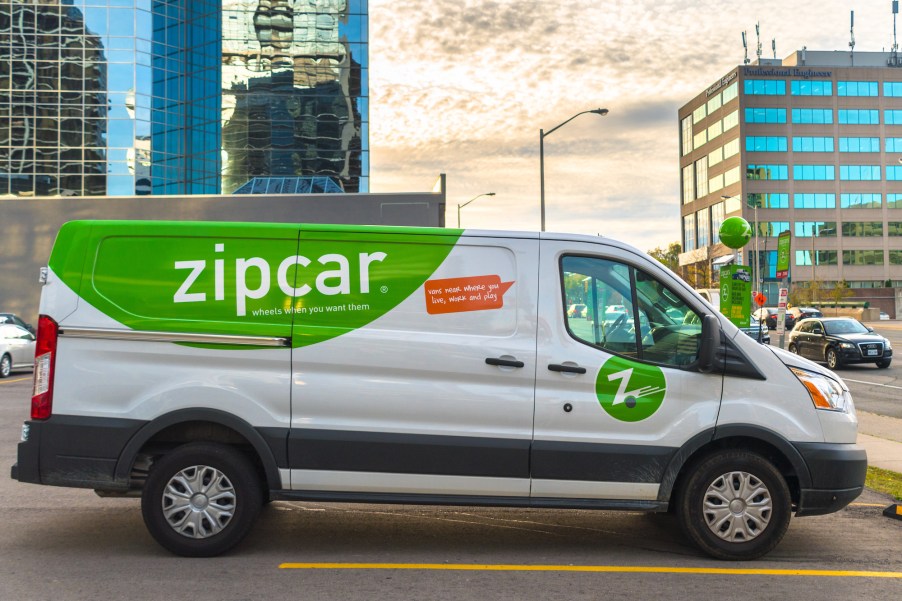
[
  {"x": 755, "y": 439},
  {"x": 169, "y": 431}
]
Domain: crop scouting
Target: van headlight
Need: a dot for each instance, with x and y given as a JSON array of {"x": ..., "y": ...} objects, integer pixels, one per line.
[{"x": 826, "y": 393}]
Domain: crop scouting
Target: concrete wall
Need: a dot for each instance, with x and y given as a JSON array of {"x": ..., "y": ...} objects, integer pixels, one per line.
[{"x": 29, "y": 226}]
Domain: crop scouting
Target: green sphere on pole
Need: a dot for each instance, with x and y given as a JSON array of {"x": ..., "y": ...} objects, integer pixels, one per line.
[{"x": 735, "y": 232}]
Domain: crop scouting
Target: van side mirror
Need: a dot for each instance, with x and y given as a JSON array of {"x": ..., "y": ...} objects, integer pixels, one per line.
[{"x": 709, "y": 343}]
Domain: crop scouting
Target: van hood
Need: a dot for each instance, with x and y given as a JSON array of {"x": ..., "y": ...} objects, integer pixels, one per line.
[{"x": 793, "y": 360}]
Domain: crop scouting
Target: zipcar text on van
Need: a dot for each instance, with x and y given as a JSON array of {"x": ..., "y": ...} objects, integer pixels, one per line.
[{"x": 211, "y": 367}]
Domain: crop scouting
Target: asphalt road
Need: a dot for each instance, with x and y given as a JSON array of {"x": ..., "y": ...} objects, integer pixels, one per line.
[{"x": 68, "y": 544}]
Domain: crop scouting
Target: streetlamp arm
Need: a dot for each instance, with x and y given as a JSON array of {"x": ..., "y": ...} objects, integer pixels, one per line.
[
  {"x": 599, "y": 111},
  {"x": 472, "y": 199}
]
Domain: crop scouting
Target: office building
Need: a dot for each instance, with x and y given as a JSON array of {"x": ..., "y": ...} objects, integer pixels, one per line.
[
  {"x": 132, "y": 97},
  {"x": 811, "y": 144}
]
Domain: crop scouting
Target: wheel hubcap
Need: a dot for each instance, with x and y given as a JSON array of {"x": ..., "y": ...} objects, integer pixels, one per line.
[
  {"x": 737, "y": 507},
  {"x": 199, "y": 501}
]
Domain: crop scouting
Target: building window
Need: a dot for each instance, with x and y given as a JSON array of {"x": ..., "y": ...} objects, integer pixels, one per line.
[
  {"x": 895, "y": 257},
  {"x": 700, "y": 139},
  {"x": 701, "y": 177},
  {"x": 765, "y": 87},
  {"x": 714, "y": 104},
  {"x": 811, "y": 88},
  {"x": 817, "y": 229},
  {"x": 689, "y": 232},
  {"x": 731, "y": 92},
  {"x": 686, "y": 135},
  {"x": 717, "y": 217},
  {"x": 688, "y": 184},
  {"x": 856, "y": 88},
  {"x": 860, "y": 201},
  {"x": 892, "y": 88},
  {"x": 765, "y": 115},
  {"x": 822, "y": 257},
  {"x": 731, "y": 148},
  {"x": 773, "y": 200},
  {"x": 894, "y": 201},
  {"x": 862, "y": 257},
  {"x": 715, "y": 183},
  {"x": 812, "y": 144},
  {"x": 731, "y": 176},
  {"x": 859, "y": 172},
  {"x": 715, "y": 130},
  {"x": 894, "y": 228},
  {"x": 818, "y": 116},
  {"x": 772, "y": 228},
  {"x": 862, "y": 229},
  {"x": 813, "y": 172},
  {"x": 859, "y": 144},
  {"x": 859, "y": 116},
  {"x": 715, "y": 156},
  {"x": 703, "y": 224},
  {"x": 893, "y": 117},
  {"x": 731, "y": 120},
  {"x": 765, "y": 144},
  {"x": 894, "y": 144},
  {"x": 767, "y": 172},
  {"x": 699, "y": 114},
  {"x": 814, "y": 201},
  {"x": 893, "y": 173}
]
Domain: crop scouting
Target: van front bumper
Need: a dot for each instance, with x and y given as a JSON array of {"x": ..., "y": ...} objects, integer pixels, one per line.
[{"x": 837, "y": 476}]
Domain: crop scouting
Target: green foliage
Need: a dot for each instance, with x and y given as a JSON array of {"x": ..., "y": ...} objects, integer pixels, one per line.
[
  {"x": 884, "y": 481},
  {"x": 668, "y": 256}
]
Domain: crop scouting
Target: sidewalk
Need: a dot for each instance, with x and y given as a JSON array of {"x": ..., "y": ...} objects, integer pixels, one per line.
[{"x": 882, "y": 438}]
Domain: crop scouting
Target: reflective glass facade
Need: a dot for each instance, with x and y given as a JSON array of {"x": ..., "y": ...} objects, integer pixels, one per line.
[{"x": 125, "y": 97}]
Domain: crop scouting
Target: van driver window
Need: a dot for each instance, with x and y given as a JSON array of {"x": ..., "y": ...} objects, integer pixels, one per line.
[{"x": 620, "y": 309}]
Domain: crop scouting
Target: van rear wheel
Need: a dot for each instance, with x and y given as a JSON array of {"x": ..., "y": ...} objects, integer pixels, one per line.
[
  {"x": 735, "y": 505},
  {"x": 201, "y": 499}
]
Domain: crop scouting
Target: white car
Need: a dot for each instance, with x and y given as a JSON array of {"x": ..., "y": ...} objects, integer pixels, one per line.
[{"x": 16, "y": 349}]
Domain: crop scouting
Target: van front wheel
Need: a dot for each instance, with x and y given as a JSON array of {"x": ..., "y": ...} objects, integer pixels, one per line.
[
  {"x": 201, "y": 499},
  {"x": 735, "y": 505}
]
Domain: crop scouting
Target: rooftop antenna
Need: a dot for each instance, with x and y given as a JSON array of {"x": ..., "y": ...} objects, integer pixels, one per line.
[
  {"x": 773, "y": 45},
  {"x": 758, "y": 35},
  {"x": 894, "y": 56},
  {"x": 745, "y": 47},
  {"x": 852, "y": 42}
]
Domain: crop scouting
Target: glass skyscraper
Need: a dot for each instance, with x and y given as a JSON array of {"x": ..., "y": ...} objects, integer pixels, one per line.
[{"x": 125, "y": 97}]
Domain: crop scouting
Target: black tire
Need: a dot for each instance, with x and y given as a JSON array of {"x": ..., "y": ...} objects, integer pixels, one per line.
[
  {"x": 884, "y": 363},
  {"x": 208, "y": 526},
  {"x": 6, "y": 366},
  {"x": 732, "y": 536},
  {"x": 793, "y": 349},
  {"x": 833, "y": 359}
]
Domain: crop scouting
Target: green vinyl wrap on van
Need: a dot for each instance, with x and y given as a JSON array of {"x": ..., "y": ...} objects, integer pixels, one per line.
[{"x": 246, "y": 279}]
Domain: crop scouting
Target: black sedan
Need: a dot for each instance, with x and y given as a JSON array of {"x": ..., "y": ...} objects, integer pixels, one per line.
[
  {"x": 839, "y": 340},
  {"x": 769, "y": 315}
]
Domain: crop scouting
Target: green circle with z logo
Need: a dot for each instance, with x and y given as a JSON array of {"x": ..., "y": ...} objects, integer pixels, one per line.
[{"x": 630, "y": 391}]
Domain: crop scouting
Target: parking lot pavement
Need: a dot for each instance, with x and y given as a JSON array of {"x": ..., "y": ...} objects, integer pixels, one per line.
[{"x": 881, "y": 436}]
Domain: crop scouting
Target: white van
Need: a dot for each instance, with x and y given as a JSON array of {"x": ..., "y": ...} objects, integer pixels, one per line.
[{"x": 212, "y": 367}]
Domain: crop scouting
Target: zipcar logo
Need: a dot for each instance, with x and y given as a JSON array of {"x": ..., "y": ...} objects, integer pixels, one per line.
[
  {"x": 628, "y": 391},
  {"x": 328, "y": 282}
]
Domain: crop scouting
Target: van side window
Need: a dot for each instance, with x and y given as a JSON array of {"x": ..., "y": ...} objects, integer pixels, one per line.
[{"x": 620, "y": 309}]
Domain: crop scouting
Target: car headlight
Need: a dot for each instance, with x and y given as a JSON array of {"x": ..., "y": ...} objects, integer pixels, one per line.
[
  {"x": 887, "y": 345},
  {"x": 826, "y": 393},
  {"x": 846, "y": 345}
]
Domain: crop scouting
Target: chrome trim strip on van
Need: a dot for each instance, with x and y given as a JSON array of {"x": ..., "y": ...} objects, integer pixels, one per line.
[{"x": 147, "y": 336}]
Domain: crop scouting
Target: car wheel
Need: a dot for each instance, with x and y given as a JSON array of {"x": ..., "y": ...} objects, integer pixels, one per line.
[
  {"x": 833, "y": 360},
  {"x": 735, "y": 505},
  {"x": 201, "y": 499},
  {"x": 793, "y": 349},
  {"x": 6, "y": 366},
  {"x": 884, "y": 363}
]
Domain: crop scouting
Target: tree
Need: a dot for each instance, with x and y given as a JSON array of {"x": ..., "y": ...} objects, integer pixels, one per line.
[
  {"x": 840, "y": 292},
  {"x": 669, "y": 257}
]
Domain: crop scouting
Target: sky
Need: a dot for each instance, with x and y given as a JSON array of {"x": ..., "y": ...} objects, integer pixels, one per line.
[{"x": 462, "y": 87}]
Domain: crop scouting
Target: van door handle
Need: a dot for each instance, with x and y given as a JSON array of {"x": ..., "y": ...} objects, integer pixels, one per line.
[
  {"x": 570, "y": 369},
  {"x": 504, "y": 362}
]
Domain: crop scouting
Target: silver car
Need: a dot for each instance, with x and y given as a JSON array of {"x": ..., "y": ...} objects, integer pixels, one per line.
[{"x": 16, "y": 349}]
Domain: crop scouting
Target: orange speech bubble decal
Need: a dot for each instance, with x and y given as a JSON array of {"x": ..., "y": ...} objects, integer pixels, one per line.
[{"x": 456, "y": 295}]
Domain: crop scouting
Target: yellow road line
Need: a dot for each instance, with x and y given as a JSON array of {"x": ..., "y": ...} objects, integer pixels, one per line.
[
  {"x": 14, "y": 381},
  {"x": 563, "y": 568},
  {"x": 867, "y": 504}
]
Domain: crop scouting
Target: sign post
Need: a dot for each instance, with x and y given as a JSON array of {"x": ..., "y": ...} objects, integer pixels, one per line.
[{"x": 783, "y": 252}]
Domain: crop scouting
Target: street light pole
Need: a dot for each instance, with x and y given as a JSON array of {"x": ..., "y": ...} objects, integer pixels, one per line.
[
  {"x": 542, "y": 134},
  {"x": 459, "y": 207}
]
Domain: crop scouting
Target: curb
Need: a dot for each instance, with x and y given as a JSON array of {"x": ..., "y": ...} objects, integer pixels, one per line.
[{"x": 893, "y": 511}]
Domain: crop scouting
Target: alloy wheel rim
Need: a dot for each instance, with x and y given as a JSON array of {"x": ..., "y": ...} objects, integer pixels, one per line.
[
  {"x": 737, "y": 507},
  {"x": 199, "y": 502}
]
